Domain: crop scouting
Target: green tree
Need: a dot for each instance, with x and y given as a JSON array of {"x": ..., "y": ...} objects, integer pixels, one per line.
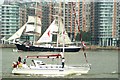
[{"x": 86, "y": 36}]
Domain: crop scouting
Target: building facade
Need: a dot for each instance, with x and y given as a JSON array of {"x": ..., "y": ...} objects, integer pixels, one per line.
[
  {"x": 100, "y": 18},
  {"x": 105, "y": 28},
  {"x": 10, "y": 19},
  {"x": 45, "y": 16},
  {"x": 118, "y": 24}
]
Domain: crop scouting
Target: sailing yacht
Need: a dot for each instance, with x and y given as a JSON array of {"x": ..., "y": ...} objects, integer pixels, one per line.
[
  {"x": 45, "y": 69},
  {"x": 44, "y": 43}
]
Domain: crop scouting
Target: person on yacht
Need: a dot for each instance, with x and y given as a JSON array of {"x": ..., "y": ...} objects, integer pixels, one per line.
[{"x": 63, "y": 62}]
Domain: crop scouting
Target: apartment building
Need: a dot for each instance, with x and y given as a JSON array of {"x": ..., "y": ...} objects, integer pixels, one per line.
[
  {"x": 45, "y": 15},
  {"x": 101, "y": 18},
  {"x": 118, "y": 18},
  {"x": 105, "y": 21},
  {"x": 118, "y": 24},
  {"x": 10, "y": 20},
  {"x": 0, "y": 24}
]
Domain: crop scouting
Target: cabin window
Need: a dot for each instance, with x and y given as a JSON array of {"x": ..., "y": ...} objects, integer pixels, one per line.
[
  {"x": 40, "y": 66},
  {"x": 60, "y": 67},
  {"x": 31, "y": 23},
  {"x": 38, "y": 63}
]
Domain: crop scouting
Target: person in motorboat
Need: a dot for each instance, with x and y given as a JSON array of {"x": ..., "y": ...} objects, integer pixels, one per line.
[
  {"x": 14, "y": 65},
  {"x": 19, "y": 62},
  {"x": 24, "y": 61},
  {"x": 24, "y": 65},
  {"x": 20, "y": 65},
  {"x": 19, "y": 59}
]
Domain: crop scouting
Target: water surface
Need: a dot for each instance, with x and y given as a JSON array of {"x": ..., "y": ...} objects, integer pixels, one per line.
[{"x": 104, "y": 63}]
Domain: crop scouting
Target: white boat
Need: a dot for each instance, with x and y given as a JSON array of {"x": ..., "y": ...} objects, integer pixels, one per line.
[{"x": 41, "y": 68}]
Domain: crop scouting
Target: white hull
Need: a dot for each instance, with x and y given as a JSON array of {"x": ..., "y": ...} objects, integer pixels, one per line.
[
  {"x": 40, "y": 68},
  {"x": 58, "y": 72}
]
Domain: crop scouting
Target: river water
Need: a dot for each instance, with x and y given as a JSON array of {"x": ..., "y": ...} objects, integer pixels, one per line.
[{"x": 104, "y": 63}]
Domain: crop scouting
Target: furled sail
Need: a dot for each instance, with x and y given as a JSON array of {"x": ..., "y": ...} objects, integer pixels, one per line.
[
  {"x": 63, "y": 34},
  {"x": 18, "y": 33},
  {"x": 33, "y": 25},
  {"x": 47, "y": 36}
]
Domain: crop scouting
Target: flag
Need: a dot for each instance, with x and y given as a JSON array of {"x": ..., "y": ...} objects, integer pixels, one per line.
[
  {"x": 48, "y": 33},
  {"x": 83, "y": 43},
  {"x": 64, "y": 34}
]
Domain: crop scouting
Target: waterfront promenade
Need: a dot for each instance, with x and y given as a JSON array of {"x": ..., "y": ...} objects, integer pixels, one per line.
[{"x": 89, "y": 47}]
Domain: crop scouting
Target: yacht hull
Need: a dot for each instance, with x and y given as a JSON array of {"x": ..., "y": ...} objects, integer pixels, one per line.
[{"x": 50, "y": 72}]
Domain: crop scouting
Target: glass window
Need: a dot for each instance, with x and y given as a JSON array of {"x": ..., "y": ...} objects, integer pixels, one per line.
[
  {"x": 7, "y": 33},
  {"x": 7, "y": 26},
  {"x": 7, "y": 19},
  {"x": 7, "y": 29}
]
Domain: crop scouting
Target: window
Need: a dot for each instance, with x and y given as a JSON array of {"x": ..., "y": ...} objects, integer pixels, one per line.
[
  {"x": 7, "y": 19},
  {"x": 7, "y": 26},
  {"x": 7, "y": 33},
  {"x": 2, "y": 6},
  {"x": 7, "y": 29}
]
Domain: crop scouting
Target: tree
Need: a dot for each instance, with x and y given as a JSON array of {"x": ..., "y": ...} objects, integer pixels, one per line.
[{"x": 86, "y": 36}]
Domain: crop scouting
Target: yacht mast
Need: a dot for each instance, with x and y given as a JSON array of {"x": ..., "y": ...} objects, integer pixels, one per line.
[
  {"x": 58, "y": 20},
  {"x": 63, "y": 32}
]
